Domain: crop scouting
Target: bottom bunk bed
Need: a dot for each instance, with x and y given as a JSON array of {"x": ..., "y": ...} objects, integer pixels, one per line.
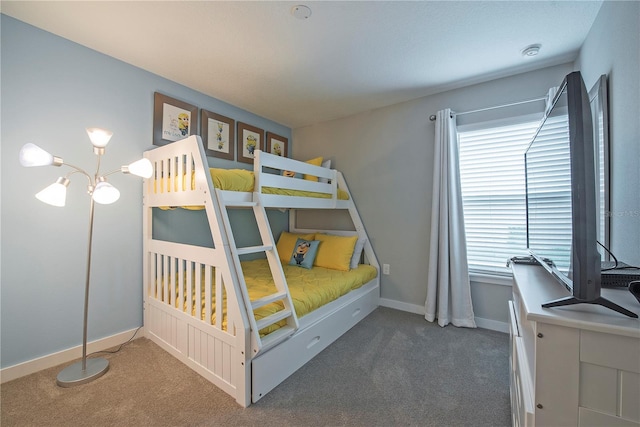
[{"x": 246, "y": 325}]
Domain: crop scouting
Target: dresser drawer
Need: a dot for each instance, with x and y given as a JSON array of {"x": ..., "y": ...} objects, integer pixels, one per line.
[
  {"x": 523, "y": 386},
  {"x": 609, "y": 378},
  {"x": 520, "y": 386}
]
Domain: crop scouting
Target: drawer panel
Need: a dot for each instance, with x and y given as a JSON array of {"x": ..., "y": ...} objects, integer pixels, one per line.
[
  {"x": 523, "y": 384},
  {"x": 613, "y": 351},
  {"x": 630, "y": 396},
  {"x": 589, "y": 418},
  {"x": 557, "y": 372},
  {"x": 513, "y": 320},
  {"x": 598, "y": 388}
]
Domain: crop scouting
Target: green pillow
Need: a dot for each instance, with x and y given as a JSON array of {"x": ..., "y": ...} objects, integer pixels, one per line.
[{"x": 304, "y": 253}]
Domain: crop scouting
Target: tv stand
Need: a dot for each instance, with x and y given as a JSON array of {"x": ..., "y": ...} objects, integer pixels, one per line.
[
  {"x": 598, "y": 301},
  {"x": 571, "y": 365}
]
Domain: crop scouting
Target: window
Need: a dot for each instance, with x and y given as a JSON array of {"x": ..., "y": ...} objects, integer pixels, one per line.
[
  {"x": 549, "y": 189},
  {"x": 493, "y": 193}
]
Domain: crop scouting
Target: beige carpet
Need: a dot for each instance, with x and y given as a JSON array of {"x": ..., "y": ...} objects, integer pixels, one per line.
[
  {"x": 144, "y": 386},
  {"x": 394, "y": 368}
]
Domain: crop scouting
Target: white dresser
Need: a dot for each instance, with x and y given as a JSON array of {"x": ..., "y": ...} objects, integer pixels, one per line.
[{"x": 572, "y": 365}]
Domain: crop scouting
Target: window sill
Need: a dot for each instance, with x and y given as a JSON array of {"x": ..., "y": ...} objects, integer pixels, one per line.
[{"x": 492, "y": 279}]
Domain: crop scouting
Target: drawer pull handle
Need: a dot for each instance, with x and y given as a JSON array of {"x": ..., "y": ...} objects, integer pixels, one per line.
[
  {"x": 540, "y": 335},
  {"x": 313, "y": 342},
  {"x": 355, "y": 312}
]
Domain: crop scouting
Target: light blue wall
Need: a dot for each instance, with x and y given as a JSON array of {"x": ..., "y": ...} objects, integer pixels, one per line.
[{"x": 51, "y": 90}]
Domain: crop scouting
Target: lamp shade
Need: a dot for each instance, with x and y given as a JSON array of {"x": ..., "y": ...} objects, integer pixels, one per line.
[
  {"x": 142, "y": 168},
  {"x": 99, "y": 137},
  {"x": 105, "y": 193},
  {"x": 32, "y": 155},
  {"x": 55, "y": 194}
]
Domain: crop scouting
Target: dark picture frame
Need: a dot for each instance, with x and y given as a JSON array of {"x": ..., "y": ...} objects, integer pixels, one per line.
[
  {"x": 172, "y": 119},
  {"x": 250, "y": 138},
  {"x": 277, "y": 145},
  {"x": 218, "y": 135}
]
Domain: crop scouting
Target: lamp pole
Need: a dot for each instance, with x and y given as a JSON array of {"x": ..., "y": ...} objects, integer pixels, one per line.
[
  {"x": 86, "y": 287},
  {"x": 87, "y": 369}
]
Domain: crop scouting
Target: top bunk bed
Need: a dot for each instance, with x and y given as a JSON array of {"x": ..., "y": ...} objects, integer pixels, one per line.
[{"x": 278, "y": 182}]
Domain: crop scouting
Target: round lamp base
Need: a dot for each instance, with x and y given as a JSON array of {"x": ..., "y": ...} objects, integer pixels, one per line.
[{"x": 74, "y": 375}]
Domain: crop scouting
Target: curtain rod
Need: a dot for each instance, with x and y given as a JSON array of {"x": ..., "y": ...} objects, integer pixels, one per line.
[{"x": 433, "y": 116}]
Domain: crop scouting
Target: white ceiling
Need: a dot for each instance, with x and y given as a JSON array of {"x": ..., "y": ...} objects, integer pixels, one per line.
[{"x": 347, "y": 57}]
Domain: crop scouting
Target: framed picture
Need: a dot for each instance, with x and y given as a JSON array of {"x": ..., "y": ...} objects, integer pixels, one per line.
[
  {"x": 218, "y": 135},
  {"x": 250, "y": 138},
  {"x": 172, "y": 119},
  {"x": 278, "y": 145}
]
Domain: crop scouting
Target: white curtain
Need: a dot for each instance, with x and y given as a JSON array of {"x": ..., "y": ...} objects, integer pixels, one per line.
[{"x": 448, "y": 288}]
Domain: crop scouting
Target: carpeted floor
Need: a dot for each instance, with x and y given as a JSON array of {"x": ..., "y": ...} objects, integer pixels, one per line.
[{"x": 391, "y": 369}]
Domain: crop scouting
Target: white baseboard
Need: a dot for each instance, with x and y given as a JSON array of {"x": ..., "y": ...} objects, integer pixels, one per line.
[
  {"x": 402, "y": 306},
  {"x": 29, "y": 367},
  {"x": 494, "y": 325}
]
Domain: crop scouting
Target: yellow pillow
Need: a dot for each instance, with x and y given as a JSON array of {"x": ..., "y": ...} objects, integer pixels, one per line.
[
  {"x": 316, "y": 162},
  {"x": 286, "y": 243},
  {"x": 335, "y": 251}
]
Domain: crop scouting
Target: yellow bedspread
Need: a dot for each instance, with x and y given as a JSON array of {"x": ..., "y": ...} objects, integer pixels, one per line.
[
  {"x": 241, "y": 180},
  {"x": 310, "y": 288}
]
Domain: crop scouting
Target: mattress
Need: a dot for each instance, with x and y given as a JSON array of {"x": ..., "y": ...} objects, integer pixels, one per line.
[
  {"x": 309, "y": 288},
  {"x": 242, "y": 180}
]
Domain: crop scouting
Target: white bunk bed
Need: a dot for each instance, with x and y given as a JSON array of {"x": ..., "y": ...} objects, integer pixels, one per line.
[{"x": 229, "y": 351}]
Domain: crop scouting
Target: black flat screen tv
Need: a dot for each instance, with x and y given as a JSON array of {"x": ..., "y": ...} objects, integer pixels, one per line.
[{"x": 561, "y": 199}]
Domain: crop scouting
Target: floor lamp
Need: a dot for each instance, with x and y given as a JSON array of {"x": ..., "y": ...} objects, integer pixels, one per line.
[{"x": 101, "y": 192}]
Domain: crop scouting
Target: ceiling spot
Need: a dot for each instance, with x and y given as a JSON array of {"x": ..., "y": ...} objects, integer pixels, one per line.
[
  {"x": 531, "y": 50},
  {"x": 301, "y": 11}
]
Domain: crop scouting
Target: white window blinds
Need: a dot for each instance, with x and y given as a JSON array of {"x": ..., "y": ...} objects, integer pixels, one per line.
[
  {"x": 493, "y": 194},
  {"x": 549, "y": 181}
]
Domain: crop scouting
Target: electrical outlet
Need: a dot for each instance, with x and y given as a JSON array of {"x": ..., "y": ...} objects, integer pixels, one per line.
[{"x": 385, "y": 269}]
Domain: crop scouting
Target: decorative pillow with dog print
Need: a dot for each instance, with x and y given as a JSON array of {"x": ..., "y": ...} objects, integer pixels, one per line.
[{"x": 304, "y": 253}]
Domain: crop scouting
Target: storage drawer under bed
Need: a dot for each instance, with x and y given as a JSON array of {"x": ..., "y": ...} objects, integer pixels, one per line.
[{"x": 271, "y": 368}]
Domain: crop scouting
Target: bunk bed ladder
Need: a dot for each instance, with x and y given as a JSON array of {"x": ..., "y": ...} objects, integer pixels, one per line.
[{"x": 282, "y": 294}]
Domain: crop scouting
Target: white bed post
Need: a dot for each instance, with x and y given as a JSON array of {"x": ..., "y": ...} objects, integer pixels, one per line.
[
  {"x": 147, "y": 232},
  {"x": 359, "y": 226},
  {"x": 222, "y": 240}
]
